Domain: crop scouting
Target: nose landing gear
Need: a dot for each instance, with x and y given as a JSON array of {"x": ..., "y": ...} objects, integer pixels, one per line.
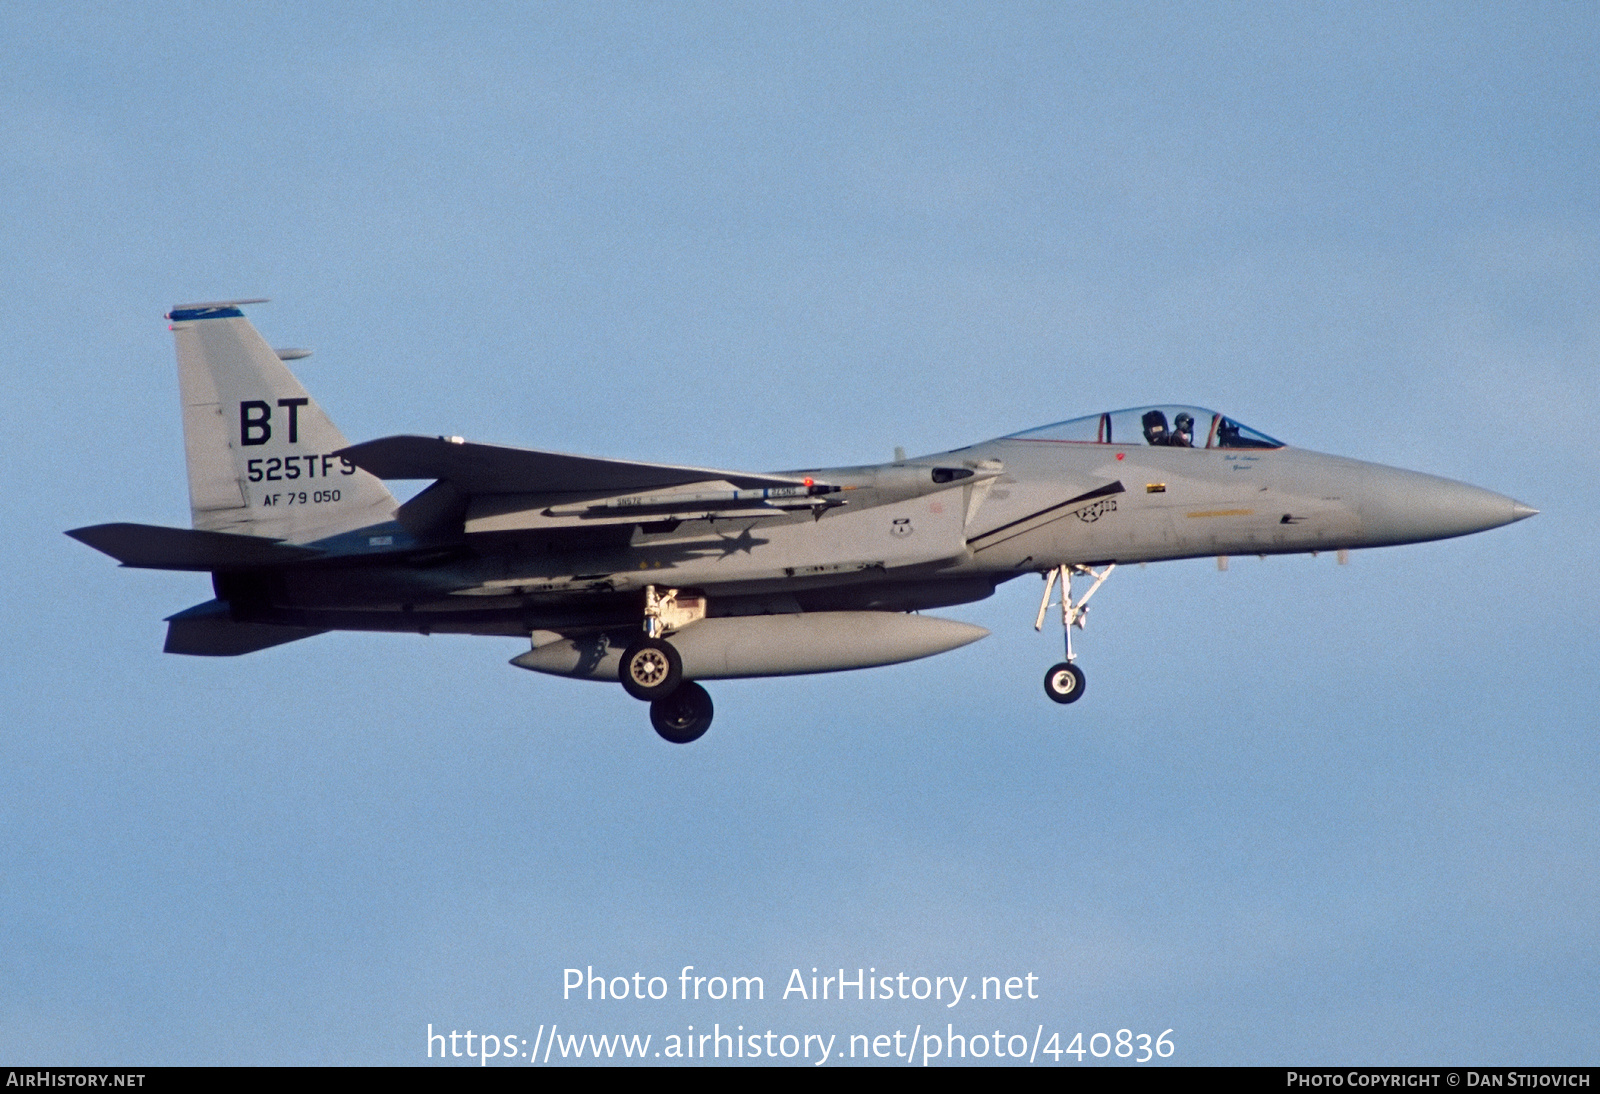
[{"x": 1064, "y": 682}]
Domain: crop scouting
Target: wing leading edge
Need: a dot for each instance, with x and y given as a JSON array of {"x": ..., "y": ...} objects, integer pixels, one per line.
[{"x": 499, "y": 469}]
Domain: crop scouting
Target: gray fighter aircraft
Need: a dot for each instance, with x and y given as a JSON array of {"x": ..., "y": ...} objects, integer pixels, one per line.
[{"x": 659, "y": 576}]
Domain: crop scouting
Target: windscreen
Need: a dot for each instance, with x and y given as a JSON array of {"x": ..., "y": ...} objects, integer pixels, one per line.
[{"x": 1156, "y": 426}]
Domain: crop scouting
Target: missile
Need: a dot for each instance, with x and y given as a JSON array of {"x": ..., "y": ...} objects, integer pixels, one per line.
[
  {"x": 765, "y": 645},
  {"x": 807, "y": 494}
]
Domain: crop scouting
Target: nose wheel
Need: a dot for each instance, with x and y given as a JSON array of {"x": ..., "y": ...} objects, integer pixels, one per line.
[{"x": 1064, "y": 682}]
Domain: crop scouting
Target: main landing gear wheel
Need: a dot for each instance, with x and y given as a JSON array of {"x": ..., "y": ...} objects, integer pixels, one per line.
[
  {"x": 684, "y": 715},
  {"x": 651, "y": 669},
  {"x": 1064, "y": 683}
]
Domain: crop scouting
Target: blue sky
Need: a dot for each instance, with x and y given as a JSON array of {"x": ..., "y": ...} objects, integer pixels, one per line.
[{"x": 1304, "y": 814}]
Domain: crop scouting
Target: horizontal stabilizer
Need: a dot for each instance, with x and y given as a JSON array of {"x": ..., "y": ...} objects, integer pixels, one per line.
[
  {"x": 498, "y": 469},
  {"x": 152, "y": 547},
  {"x": 208, "y": 630}
]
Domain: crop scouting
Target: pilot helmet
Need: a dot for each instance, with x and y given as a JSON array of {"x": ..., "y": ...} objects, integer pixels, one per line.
[{"x": 1184, "y": 423}]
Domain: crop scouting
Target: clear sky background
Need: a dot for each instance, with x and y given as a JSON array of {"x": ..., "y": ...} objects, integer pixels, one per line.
[{"x": 1304, "y": 814}]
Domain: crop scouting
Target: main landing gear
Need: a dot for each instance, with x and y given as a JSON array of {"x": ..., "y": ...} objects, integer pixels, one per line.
[
  {"x": 651, "y": 669},
  {"x": 684, "y": 715},
  {"x": 1064, "y": 682}
]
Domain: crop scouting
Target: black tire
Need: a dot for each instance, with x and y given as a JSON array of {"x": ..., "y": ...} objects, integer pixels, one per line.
[
  {"x": 650, "y": 669},
  {"x": 683, "y": 716},
  {"x": 1064, "y": 683}
]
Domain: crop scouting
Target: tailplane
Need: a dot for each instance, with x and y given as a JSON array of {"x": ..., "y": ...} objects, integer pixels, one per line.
[{"x": 260, "y": 450}]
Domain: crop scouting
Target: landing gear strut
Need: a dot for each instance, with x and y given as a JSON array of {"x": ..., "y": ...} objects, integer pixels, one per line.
[
  {"x": 1064, "y": 682},
  {"x": 651, "y": 669}
]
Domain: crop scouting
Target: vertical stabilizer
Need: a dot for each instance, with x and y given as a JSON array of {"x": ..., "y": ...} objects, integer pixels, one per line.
[{"x": 260, "y": 449}]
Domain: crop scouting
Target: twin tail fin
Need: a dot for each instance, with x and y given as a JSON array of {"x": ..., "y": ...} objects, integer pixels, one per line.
[{"x": 260, "y": 451}]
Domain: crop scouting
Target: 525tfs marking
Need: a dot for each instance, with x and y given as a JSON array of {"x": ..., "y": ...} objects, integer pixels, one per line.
[{"x": 281, "y": 468}]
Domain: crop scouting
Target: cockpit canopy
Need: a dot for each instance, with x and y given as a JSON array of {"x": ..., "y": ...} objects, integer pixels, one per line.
[{"x": 1160, "y": 426}]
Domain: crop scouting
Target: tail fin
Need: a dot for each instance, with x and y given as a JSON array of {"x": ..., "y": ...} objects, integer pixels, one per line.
[{"x": 260, "y": 450}]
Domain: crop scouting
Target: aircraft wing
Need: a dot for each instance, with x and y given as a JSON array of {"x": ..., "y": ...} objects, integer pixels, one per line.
[{"x": 498, "y": 469}]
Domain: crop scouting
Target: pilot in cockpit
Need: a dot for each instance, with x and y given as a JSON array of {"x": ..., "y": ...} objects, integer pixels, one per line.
[
  {"x": 1182, "y": 432},
  {"x": 1155, "y": 427}
]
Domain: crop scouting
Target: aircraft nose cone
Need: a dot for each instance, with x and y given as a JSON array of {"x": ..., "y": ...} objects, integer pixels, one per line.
[{"x": 1410, "y": 507}]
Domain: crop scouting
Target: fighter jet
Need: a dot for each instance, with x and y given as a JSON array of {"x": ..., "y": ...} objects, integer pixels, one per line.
[{"x": 659, "y": 576}]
